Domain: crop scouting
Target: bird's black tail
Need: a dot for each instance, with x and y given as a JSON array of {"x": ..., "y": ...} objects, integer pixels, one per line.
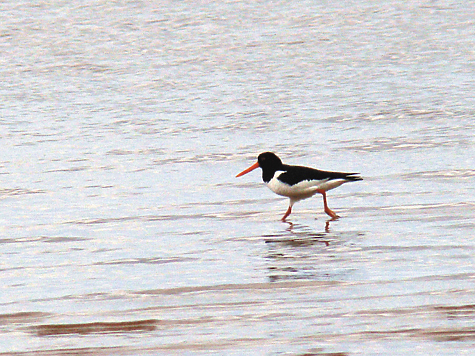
[{"x": 352, "y": 177}]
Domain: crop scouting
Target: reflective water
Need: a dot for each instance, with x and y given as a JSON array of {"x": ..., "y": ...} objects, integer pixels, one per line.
[{"x": 125, "y": 232}]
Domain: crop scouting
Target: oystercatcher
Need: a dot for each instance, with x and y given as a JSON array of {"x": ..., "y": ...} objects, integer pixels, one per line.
[{"x": 297, "y": 182}]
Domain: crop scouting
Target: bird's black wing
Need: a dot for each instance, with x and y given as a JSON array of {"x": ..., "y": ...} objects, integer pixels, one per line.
[{"x": 295, "y": 174}]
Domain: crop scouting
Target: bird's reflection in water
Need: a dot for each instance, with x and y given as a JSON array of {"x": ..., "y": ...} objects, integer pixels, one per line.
[
  {"x": 299, "y": 235},
  {"x": 326, "y": 228},
  {"x": 299, "y": 252}
]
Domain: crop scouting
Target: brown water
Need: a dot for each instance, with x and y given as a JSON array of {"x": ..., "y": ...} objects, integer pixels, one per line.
[{"x": 125, "y": 232}]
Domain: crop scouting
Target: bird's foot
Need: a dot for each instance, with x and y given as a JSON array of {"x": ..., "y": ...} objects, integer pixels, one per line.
[
  {"x": 287, "y": 213},
  {"x": 331, "y": 214}
]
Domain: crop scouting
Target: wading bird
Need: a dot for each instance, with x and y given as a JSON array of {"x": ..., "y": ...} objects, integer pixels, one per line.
[{"x": 297, "y": 182}]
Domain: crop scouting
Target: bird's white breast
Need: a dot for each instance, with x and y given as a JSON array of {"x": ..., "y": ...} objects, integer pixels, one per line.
[{"x": 297, "y": 191}]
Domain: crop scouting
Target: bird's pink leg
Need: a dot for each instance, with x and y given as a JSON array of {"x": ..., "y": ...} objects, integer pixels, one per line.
[
  {"x": 329, "y": 212},
  {"x": 287, "y": 213}
]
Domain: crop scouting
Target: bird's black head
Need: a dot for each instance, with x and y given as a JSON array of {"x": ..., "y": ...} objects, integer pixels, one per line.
[
  {"x": 269, "y": 160},
  {"x": 269, "y": 163}
]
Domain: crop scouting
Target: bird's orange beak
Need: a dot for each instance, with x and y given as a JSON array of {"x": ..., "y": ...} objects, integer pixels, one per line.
[{"x": 251, "y": 168}]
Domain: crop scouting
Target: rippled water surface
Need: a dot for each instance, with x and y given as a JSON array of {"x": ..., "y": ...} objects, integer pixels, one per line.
[{"x": 125, "y": 232}]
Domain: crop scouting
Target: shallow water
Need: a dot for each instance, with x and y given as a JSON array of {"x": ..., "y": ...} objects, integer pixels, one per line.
[{"x": 125, "y": 232}]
